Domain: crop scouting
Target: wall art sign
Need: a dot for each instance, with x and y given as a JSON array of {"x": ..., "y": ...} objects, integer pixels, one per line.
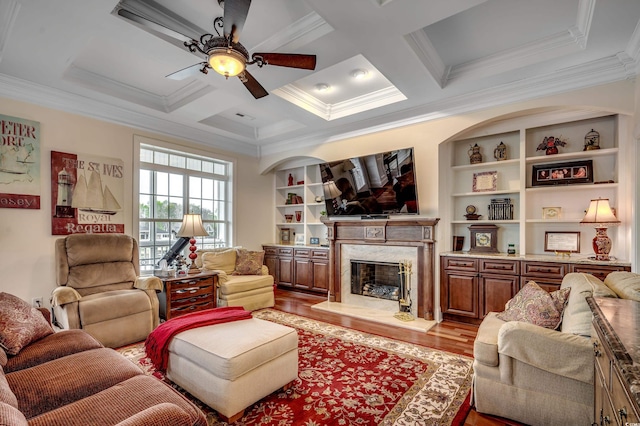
[
  {"x": 485, "y": 181},
  {"x": 562, "y": 242},
  {"x": 87, "y": 193},
  {"x": 19, "y": 163}
]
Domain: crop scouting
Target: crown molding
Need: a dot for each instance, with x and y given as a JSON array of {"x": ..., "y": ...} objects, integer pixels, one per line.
[
  {"x": 595, "y": 73},
  {"x": 45, "y": 96},
  {"x": 302, "y": 32}
]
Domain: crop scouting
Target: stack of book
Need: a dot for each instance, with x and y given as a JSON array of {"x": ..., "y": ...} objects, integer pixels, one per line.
[{"x": 500, "y": 209}]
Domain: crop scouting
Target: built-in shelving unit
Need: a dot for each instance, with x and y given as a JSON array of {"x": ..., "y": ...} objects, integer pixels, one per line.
[
  {"x": 522, "y": 136},
  {"x": 306, "y": 188}
]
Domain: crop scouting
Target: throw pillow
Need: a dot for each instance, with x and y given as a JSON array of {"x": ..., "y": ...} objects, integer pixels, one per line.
[
  {"x": 20, "y": 324},
  {"x": 249, "y": 262},
  {"x": 220, "y": 260},
  {"x": 536, "y": 306}
]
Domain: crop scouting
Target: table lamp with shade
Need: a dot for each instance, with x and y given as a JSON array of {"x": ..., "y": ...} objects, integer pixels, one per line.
[
  {"x": 600, "y": 216},
  {"x": 331, "y": 192},
  {"x": 191, "y": 228}
]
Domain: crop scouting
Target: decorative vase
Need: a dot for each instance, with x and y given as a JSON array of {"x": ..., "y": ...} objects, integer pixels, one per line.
[{"x": 500, "y": 153}]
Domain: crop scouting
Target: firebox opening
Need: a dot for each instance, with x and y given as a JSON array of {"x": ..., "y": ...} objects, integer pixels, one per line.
[{"x": 381, "y": 280}]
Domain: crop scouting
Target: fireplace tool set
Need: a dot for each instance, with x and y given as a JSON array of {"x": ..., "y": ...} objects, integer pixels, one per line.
[{"x": 404, "y": 301}]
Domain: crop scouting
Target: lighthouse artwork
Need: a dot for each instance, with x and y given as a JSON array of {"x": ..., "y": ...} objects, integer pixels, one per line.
[{"x": 87, "y": 194}]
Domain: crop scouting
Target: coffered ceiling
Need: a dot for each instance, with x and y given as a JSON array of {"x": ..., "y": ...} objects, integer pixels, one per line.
[{"x": 380, "y": 63}]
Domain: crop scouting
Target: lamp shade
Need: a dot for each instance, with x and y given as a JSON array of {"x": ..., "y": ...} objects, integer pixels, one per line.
[
  {"x": 331, "y": 191},
  {"x": 600, "y": 214},
  {"x": 192, "y": 226}
]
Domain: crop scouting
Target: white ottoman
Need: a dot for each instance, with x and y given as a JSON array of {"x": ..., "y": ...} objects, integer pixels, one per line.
[{"x": 232, "y": 365}]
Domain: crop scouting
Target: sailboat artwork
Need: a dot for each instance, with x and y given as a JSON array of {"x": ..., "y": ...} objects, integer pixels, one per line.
[{"x": 92, "y": 197}]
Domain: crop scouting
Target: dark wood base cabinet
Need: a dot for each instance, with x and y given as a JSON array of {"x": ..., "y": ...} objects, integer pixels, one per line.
[
  {"x": 471, "y": 286},
  {"x": 299, "y": 268}
]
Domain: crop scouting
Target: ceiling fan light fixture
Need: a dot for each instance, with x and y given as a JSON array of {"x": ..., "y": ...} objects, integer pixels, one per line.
[{"x": 227, "y": 62}]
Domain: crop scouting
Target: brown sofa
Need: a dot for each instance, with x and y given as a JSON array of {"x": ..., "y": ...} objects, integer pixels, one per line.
[{"x": 68, "y": 378}]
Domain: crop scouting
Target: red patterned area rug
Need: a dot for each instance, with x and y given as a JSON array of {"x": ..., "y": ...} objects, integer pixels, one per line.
[{"x": 346, "y": 377}]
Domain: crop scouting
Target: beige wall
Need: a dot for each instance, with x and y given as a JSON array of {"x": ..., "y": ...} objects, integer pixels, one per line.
[{"x": 26, "y": 243}]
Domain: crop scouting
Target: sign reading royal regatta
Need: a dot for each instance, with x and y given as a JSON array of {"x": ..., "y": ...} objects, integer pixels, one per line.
[
  {"x": 19, "y": 163},
  {"x": 86, "y": 194}
]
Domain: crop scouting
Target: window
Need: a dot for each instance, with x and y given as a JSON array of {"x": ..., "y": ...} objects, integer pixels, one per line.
[{"x": 173, "y": 183}]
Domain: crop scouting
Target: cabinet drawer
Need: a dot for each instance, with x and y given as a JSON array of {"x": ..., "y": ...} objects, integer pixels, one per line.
[
  {"x": 190, "y": 282},
  {"x": 192, "y": 300},
  {"x": 270, "y": 250},
  {"x": 511, "y": 267},
  {"x": 598, "y": 271},
  {"x": 547, "y": 270},
  {"x": 602, "y": 359},
  {"x": 285, "y": 251},
  {"x": 301, "y": 252},
  {"x": 187, "y": 309},
  {"x": 546, "y": 284},
  {"x": 320, "y": 254},
  {"x": 622, "y": 406},
  {"x": 189, "y": 292},
  {"x": 460, "y": 264}
]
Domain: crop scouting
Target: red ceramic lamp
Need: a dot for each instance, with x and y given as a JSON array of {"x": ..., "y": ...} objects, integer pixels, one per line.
[
  {"x": 192, "y": 227},
  {"x": 600, "y": 216}
]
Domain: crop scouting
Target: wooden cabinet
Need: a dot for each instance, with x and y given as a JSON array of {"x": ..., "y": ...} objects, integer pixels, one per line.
[
  {"x": 615, "y": 369},
  {"x": 472, "y": 286},
  {"x": 300, "y": 268},
  {"x": 187, "y": 294}
]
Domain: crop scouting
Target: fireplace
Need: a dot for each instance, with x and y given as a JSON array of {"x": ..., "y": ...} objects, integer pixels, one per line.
[
  {"x": 376, "y": 279},
  {"x": 384, "y": 241}
]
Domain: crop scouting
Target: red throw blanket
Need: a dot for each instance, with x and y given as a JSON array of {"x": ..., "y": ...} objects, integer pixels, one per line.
[{"x": 157, "y": 344}]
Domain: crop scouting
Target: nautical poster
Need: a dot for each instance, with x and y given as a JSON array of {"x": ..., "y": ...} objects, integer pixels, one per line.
[
  {"x": 19, "y": 163},
  {"x": 87, "y": 192}
]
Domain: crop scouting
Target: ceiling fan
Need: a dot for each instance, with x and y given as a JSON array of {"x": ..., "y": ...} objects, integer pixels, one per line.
[{"x": 225, "y": 54}]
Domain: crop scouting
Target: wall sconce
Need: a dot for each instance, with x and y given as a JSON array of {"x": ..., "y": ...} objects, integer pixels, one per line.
[
  {"x": 600, "y": 216},
  {"x": 191, "y": 228}
]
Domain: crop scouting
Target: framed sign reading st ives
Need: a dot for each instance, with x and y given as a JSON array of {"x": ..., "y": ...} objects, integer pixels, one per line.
[
  {"x": 19, "y": 163},
  {"x": 87, "y": 193}
]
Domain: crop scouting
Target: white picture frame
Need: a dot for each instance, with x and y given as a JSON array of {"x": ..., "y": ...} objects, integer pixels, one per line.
[{"x": 299, "y": 240}]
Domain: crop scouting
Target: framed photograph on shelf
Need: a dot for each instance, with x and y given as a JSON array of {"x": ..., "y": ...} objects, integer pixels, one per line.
[
  {"x": 285, "y": 235},
  {"x": 551, "y": 213},
  {"x": 299, "y": 239},
  {"x": 562, "y": 173},
  {"x": 314, "y": 241},
  {"x": 485, "y": 181},
  {"x": 562, "y": 242}
]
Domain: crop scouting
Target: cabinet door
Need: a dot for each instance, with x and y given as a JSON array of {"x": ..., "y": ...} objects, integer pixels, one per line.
[
  {"x": 271, "y": 262},
  {"x": 320, "y": 276},
  {"x": 495, "y": 292},
  {"x": 285, "y": 271},
  {"x": 460, "y": 294},
  {"x": 303, "y": 273}
]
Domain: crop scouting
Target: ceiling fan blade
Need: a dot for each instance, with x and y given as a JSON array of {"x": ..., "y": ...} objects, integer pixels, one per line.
[
  {"x": 153, "y": 25},
  {"x": 291, "y": 60},
  {"x": 235, "y": 13},
  {"x": 252, "y": 85},
  {"x": 189, "y": 71}
]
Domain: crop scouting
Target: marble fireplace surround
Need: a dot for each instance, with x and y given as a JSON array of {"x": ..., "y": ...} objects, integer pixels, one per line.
[{"x": 389, "y": 240}]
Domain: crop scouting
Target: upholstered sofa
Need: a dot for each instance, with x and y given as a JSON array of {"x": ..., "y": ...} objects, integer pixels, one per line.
[
  {"x": 543, "y": 376},
  {"x": 69, "y": 378},
  {"x": 243, "y": 280}
]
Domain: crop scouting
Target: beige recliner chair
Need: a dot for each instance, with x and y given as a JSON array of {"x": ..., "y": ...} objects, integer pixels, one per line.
[{"x": 100, "y": 291}]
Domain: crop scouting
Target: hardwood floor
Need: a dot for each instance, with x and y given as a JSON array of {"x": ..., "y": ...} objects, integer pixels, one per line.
[{"x": 447, "y": 336}]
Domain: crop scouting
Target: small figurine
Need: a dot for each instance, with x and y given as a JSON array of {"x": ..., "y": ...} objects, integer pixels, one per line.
[
  {"x": 500, "y": 153},
  {"x": 475, "y": 156},
  {"x": 290, "y": 183},
  {"x": 550, "y": 145}
]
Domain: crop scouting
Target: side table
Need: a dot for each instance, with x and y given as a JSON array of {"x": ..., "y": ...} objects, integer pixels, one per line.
[{"x": 187, "y": 293}]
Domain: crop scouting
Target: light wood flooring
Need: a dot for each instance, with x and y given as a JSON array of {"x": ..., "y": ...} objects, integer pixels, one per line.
[{"x": 447, "y": 336}]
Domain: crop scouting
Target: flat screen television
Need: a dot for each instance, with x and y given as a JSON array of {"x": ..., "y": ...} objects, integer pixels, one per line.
[{"x": 374, "y": 185}]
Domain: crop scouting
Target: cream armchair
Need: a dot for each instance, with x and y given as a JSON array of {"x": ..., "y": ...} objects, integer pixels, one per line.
[{"x": 99, "y": 289}]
